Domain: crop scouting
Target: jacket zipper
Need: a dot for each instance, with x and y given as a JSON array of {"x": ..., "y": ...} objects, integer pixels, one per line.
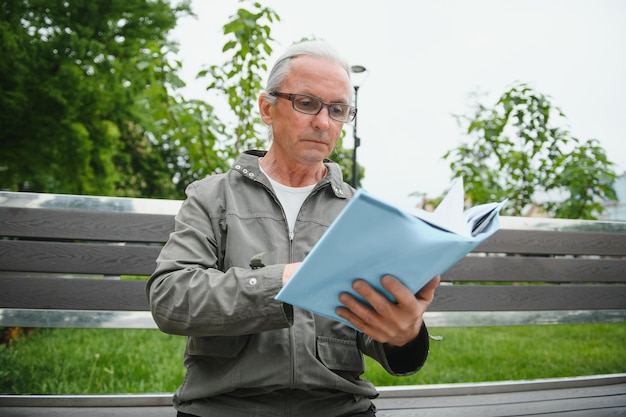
[
  {"x": 291, "y": 235},
  {"x": 292, "y": 336}
]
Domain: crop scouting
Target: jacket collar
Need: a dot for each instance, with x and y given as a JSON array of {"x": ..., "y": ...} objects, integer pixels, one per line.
[{"x": 248, "y": 165}]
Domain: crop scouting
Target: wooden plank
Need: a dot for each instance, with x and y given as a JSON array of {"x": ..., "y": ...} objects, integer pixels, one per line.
[
  {"x": 609, "y": 383},
  {"x": 94, "y": 401},
  {"x": 122, "y": 226},
  {"x": 609, "y": 400},
  {"x": 84, "y": 225},
  {"x": 65, "y": 411},
  {"x": 78, "y": 258},
  {"x": 527, "y": 406},
  {"x": 532, "y": 268},
  {"x": 85, "y": 294},
  {"x": 528, "y": 297},
  {"x": 592, "y": 401},
  {"x": 555, "y": 242},
  {"x": 73, "y": 294}
]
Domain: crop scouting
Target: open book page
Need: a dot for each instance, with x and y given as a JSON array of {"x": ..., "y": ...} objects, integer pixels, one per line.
[
  {"x": 449, "y": 214},
  {"x": 478, "y": 217}
]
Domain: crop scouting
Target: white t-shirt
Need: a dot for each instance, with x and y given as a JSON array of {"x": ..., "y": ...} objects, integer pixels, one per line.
[{"x": 291, "y": 198}]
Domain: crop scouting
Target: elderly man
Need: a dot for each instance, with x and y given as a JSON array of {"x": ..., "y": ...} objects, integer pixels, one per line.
[{"x": 239, "y": 238}]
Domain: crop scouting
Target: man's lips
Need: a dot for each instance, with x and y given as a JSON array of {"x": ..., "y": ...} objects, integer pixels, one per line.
[{"x": 318, "y": 141}]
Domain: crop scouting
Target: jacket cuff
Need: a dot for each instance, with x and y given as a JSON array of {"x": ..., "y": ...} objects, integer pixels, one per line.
[{"x": 410, "y": 358}]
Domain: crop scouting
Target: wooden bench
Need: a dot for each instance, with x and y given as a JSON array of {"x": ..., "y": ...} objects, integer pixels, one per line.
[{"x": 53, "y": 246}]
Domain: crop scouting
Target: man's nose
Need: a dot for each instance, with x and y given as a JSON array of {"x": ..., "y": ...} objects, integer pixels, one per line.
[{"x": 322, "y": 119}]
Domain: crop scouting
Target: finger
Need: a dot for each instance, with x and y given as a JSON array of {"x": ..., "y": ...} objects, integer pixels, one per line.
[
  {"x": 378, "y": 301},
  {"x": 356, "y": 308},
  {"x": 355, "y": 312},
  {"x": 428, "y": 291},
  {"x": 363, "y": 288},
  {"x": 400, "y": 292}
]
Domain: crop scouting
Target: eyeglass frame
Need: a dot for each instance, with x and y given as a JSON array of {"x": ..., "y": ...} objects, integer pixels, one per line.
[{"x": 292, "y": 96}]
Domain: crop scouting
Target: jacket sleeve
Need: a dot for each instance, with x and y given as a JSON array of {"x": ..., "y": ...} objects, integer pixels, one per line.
[
  {"x": 398, "y": 361},
  {"x": 189, "y": 295}
]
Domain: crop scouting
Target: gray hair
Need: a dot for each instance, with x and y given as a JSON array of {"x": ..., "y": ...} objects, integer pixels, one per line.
[
  {"x": 280, "y": 70},
  {"x": 319, "y": 49}
]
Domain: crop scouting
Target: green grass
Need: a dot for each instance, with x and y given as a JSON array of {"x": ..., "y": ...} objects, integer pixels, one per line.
[
  {"x": 511, "y": 353},
  {"x": 81, "y": 361},
  {"x": 89, "y": 361}
]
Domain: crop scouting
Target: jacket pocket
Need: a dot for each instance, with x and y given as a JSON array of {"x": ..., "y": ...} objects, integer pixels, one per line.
[
  {"x": 217, "y": 346},
  {"x": 340, "y": 354}
]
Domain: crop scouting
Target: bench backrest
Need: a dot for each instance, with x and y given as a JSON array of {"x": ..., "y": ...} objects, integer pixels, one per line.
[{"x": 79, "y": 261}]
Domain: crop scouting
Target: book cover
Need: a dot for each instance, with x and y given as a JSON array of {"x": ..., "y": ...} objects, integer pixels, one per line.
[{"x": 371, "y": 238}]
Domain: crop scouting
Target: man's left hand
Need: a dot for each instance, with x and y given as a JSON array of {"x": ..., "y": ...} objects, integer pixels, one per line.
[{"x": 393, "y": 323}]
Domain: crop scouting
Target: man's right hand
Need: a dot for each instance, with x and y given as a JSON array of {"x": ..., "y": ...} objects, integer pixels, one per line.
[{"x": 289, "y": 270}]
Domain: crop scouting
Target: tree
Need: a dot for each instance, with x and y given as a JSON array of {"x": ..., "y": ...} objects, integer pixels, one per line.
[
  {"x": 73, "y": 79},
  {"x": 239, "y": 79},
  {"x": 520, "y": 151},
  {"x": 344, "y": 157},
  {"x": 193, "y": 139},
  {"x": 90, "y": 102}
]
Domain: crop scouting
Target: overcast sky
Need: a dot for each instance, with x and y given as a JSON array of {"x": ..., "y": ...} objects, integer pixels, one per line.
[{"x": 425, "y": 59}]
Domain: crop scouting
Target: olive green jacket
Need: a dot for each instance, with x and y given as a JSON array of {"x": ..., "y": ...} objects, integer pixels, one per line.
[{"x": 247, "y": 353}]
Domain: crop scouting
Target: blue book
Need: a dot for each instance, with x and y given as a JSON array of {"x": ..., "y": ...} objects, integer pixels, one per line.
[{"x": 371, "y": 238}]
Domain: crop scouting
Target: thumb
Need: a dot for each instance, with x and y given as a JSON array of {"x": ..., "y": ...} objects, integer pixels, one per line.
[{"x": 427, "y": 293}]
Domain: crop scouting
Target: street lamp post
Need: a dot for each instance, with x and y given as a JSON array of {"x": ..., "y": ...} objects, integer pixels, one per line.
[{"x": 357, "y": 69}]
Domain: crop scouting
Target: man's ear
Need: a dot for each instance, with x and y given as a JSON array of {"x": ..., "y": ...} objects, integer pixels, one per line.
[{"x": 264, "y": 108}]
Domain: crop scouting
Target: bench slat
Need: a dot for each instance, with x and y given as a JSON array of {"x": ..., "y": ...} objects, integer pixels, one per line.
[
  {"x": 68, "y": 257},
  {"x": 73, "y": 294},
  {"x": 602, "y": 395},
  {"x": 533, "y": 268},
  {"x": 93, "y": 294},
  {"x": 528, "y": 298},
  {"x": 78, "y": 258},
  {"x": 572, "y": 402},
  {"x": 142, "y": 227},
  {"x": 84, "y": 225},
  {"x": 555, "y": 242}
]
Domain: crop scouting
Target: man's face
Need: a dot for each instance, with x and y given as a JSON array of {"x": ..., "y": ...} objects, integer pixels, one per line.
[{"x": 308, "y": 138}]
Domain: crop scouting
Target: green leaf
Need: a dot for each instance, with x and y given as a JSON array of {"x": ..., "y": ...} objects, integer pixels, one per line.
[{"x": 520, "y": 151}]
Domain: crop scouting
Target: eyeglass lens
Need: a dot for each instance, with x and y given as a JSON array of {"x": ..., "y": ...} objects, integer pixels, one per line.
[{"x": 312, "y": 105}]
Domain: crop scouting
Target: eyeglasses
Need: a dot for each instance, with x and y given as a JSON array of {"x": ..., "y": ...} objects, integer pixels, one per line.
[{"x": 312, "y": 105}]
